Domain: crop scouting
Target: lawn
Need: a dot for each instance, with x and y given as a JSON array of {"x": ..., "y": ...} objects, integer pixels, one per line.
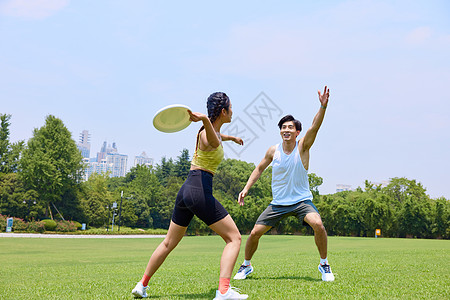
[{"x": 285, "y": 268}]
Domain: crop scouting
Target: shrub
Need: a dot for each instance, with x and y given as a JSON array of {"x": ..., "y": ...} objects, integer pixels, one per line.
[
  {"x": 36, "y": 226},
  {"x": 65, "y": 226},
  {"x": 50, "y": 225},
  {"x": 77, "y": 224},
  {"x": 2, "y": 223},
  {"x": 19, "y": 225}
]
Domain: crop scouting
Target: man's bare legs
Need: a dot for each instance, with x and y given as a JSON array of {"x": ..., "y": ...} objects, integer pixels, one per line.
[
  {"x": 320, "y": 234},
  {"x": 253, "y": 240}
]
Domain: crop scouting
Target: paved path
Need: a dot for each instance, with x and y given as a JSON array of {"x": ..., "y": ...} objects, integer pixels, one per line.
[{"x": 80, "y": 236}]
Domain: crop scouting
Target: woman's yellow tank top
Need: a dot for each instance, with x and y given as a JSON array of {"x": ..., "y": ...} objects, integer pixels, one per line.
[{"x": 207, "y": 160}]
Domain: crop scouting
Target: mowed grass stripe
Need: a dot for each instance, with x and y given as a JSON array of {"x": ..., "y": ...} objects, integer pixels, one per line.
[{"x": 285, "y": 268}]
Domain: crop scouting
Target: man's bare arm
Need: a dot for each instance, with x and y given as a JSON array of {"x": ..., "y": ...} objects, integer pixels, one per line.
[
  {"x": 265, "y": 162},
  {"x": 308, "y": 140}
]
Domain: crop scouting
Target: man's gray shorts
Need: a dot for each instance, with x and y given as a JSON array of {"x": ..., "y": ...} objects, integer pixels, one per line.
[{"x": 273, "y": 214}]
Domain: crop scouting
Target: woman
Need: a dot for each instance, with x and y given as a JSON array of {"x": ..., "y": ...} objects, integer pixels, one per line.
[{"x": 195, "y": 198}]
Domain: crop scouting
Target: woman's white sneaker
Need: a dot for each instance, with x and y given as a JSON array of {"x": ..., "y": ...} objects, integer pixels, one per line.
[
  {"x": 232, "y": 293},
  {"x": 140, "y": 291}
]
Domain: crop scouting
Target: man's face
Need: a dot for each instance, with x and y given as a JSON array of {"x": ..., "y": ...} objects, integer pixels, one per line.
[{"x": 288, "y": 131}]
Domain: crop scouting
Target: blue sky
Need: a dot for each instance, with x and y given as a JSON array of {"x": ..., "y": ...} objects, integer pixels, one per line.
[{"x": 108, "y": 66}]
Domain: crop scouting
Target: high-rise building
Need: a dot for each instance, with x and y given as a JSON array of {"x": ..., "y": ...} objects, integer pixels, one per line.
[
  {"x": 84, "y": 144},
  {"x": 383, "y": 183},
  {"x": 107, "y": 161},
  {"x": 106, "y": 149},
  {"x": 143, "y": 159},
  {"x": 118, "y": 162},
  {"x": 343, "y": 187}
]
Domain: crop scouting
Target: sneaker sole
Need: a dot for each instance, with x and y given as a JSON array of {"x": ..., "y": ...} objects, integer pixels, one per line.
[
  {"x": 244, "y": 276},
  {"x": 136, "y": 295},
  {"x": 324, "y": 279}
]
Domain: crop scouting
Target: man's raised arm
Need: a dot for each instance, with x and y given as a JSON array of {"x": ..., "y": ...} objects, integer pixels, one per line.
[{"x": 310, "y": 136}]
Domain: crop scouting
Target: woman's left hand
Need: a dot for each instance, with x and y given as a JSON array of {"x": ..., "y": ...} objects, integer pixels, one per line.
[{"x": 238, "y": 140}]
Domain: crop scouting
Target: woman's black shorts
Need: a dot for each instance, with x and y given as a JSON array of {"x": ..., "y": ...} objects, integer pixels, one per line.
[{"x": 195, "y": 198}]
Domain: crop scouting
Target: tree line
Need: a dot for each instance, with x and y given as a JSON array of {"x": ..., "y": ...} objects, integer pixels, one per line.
[{"x": 43, "y": 179}]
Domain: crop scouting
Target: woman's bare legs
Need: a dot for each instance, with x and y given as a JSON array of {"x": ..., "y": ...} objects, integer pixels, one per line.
[
  {"x": 173, "y": 237},
  {"x": 228, "y": 230}
]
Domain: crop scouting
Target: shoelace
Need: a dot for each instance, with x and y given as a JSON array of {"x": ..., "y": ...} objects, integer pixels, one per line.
[
  {"x": 326, "y": 268},
  {"x": 235, "y": 289},
  {"x": 242, "y": 268}
]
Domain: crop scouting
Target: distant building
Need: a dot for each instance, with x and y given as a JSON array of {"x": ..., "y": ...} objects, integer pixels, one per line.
[
  {"x": 106, "y": 149},
  {"x": 108, "y": 160},
  {"x": 84, "y": 144},
  {"x": 143, "y": 159},
  {"x": 383, "y": 183},
  {"x": 118, "y": 162},
  {"x": 343, "y": 187}
]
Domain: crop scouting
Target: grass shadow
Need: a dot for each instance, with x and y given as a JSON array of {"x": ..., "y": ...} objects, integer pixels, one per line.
[
  {"x": 304, "y": 278},
  {"x": 207, "y": 295}
]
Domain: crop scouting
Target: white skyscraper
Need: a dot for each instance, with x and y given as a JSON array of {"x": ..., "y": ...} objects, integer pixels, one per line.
[
  {"x": 84, "y": 144},
  {"x": 118, "y": 162},
  {"x": 108, "y": 160},
  {"x": 143, "y": 159}
]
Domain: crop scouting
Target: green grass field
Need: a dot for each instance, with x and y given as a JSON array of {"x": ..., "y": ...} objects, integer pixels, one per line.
[{"x": 285, "y": 268}]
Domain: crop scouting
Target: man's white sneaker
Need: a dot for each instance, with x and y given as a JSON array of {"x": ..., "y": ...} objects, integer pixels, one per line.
[
  {"x": 232, "y": 293},
  {"x": 327, "y": 275},
  {"x": 243, "y": 272},
  {"x": 140, "y": 291}
]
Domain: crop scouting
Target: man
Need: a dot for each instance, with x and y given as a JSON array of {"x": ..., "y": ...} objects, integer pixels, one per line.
[{"x": 290, "y": 188}]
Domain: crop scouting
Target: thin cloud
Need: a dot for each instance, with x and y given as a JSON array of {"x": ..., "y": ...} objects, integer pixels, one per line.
[
  {"x": 35, "y": 9},
  {"x": 419, "y": 36}
]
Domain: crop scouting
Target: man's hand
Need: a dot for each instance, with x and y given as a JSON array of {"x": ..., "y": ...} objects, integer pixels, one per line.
[
  {"x": 242, "y": 195},
  {"x": 324, "y": 98}
]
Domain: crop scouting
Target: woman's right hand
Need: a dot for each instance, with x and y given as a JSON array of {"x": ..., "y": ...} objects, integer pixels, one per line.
[{"x": 196, "y": 116}]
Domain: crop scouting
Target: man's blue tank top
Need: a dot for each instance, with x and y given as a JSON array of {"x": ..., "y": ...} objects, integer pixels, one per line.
[{"x": 290, "y": 183}]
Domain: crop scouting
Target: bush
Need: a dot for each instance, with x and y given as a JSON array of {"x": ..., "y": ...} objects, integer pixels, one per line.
[
  {"x": 66, "y": 226},
  {"x": 19, "y": 225},
  {"x": 77, "y": 224},
  {"x": 50, "y": 225},
  {"x": 2, "y": 223},
  {"x": 36, "y": 226}
]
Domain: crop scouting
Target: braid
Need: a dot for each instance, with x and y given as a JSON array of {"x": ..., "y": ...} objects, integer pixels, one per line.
[{"x": 216, "y": 102}]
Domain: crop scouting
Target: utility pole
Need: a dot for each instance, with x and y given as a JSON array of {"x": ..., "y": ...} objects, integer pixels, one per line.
[
  {"x": 120, "y": 208},
  {"x": 114, "y": 213}
]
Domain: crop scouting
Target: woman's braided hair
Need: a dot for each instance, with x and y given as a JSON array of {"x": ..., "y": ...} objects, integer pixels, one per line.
[{"x": 216, "y": 102}]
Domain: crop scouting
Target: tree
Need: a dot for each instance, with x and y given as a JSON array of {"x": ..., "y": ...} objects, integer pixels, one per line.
[
  {"x": 165, "y": 170},
  {"x": 51, "y": 164},
  {"x": 96, "y": 200},
  {"x": 314, "y": 183},
  {"x": 9, "y": 153},
  {"x": 400, "y": 189},
  {"x": 15, "y": 200},
  {"x": 147, "y": 197},
  {"x": 415, "y": 218},
  {"x": 441, "y": 226},
  {"x": 231, "y": 177},
  {"x": 182, "y": 165}
]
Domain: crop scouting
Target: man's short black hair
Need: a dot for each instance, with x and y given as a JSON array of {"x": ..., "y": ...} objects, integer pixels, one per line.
[{"x": 288, "y": 118}]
